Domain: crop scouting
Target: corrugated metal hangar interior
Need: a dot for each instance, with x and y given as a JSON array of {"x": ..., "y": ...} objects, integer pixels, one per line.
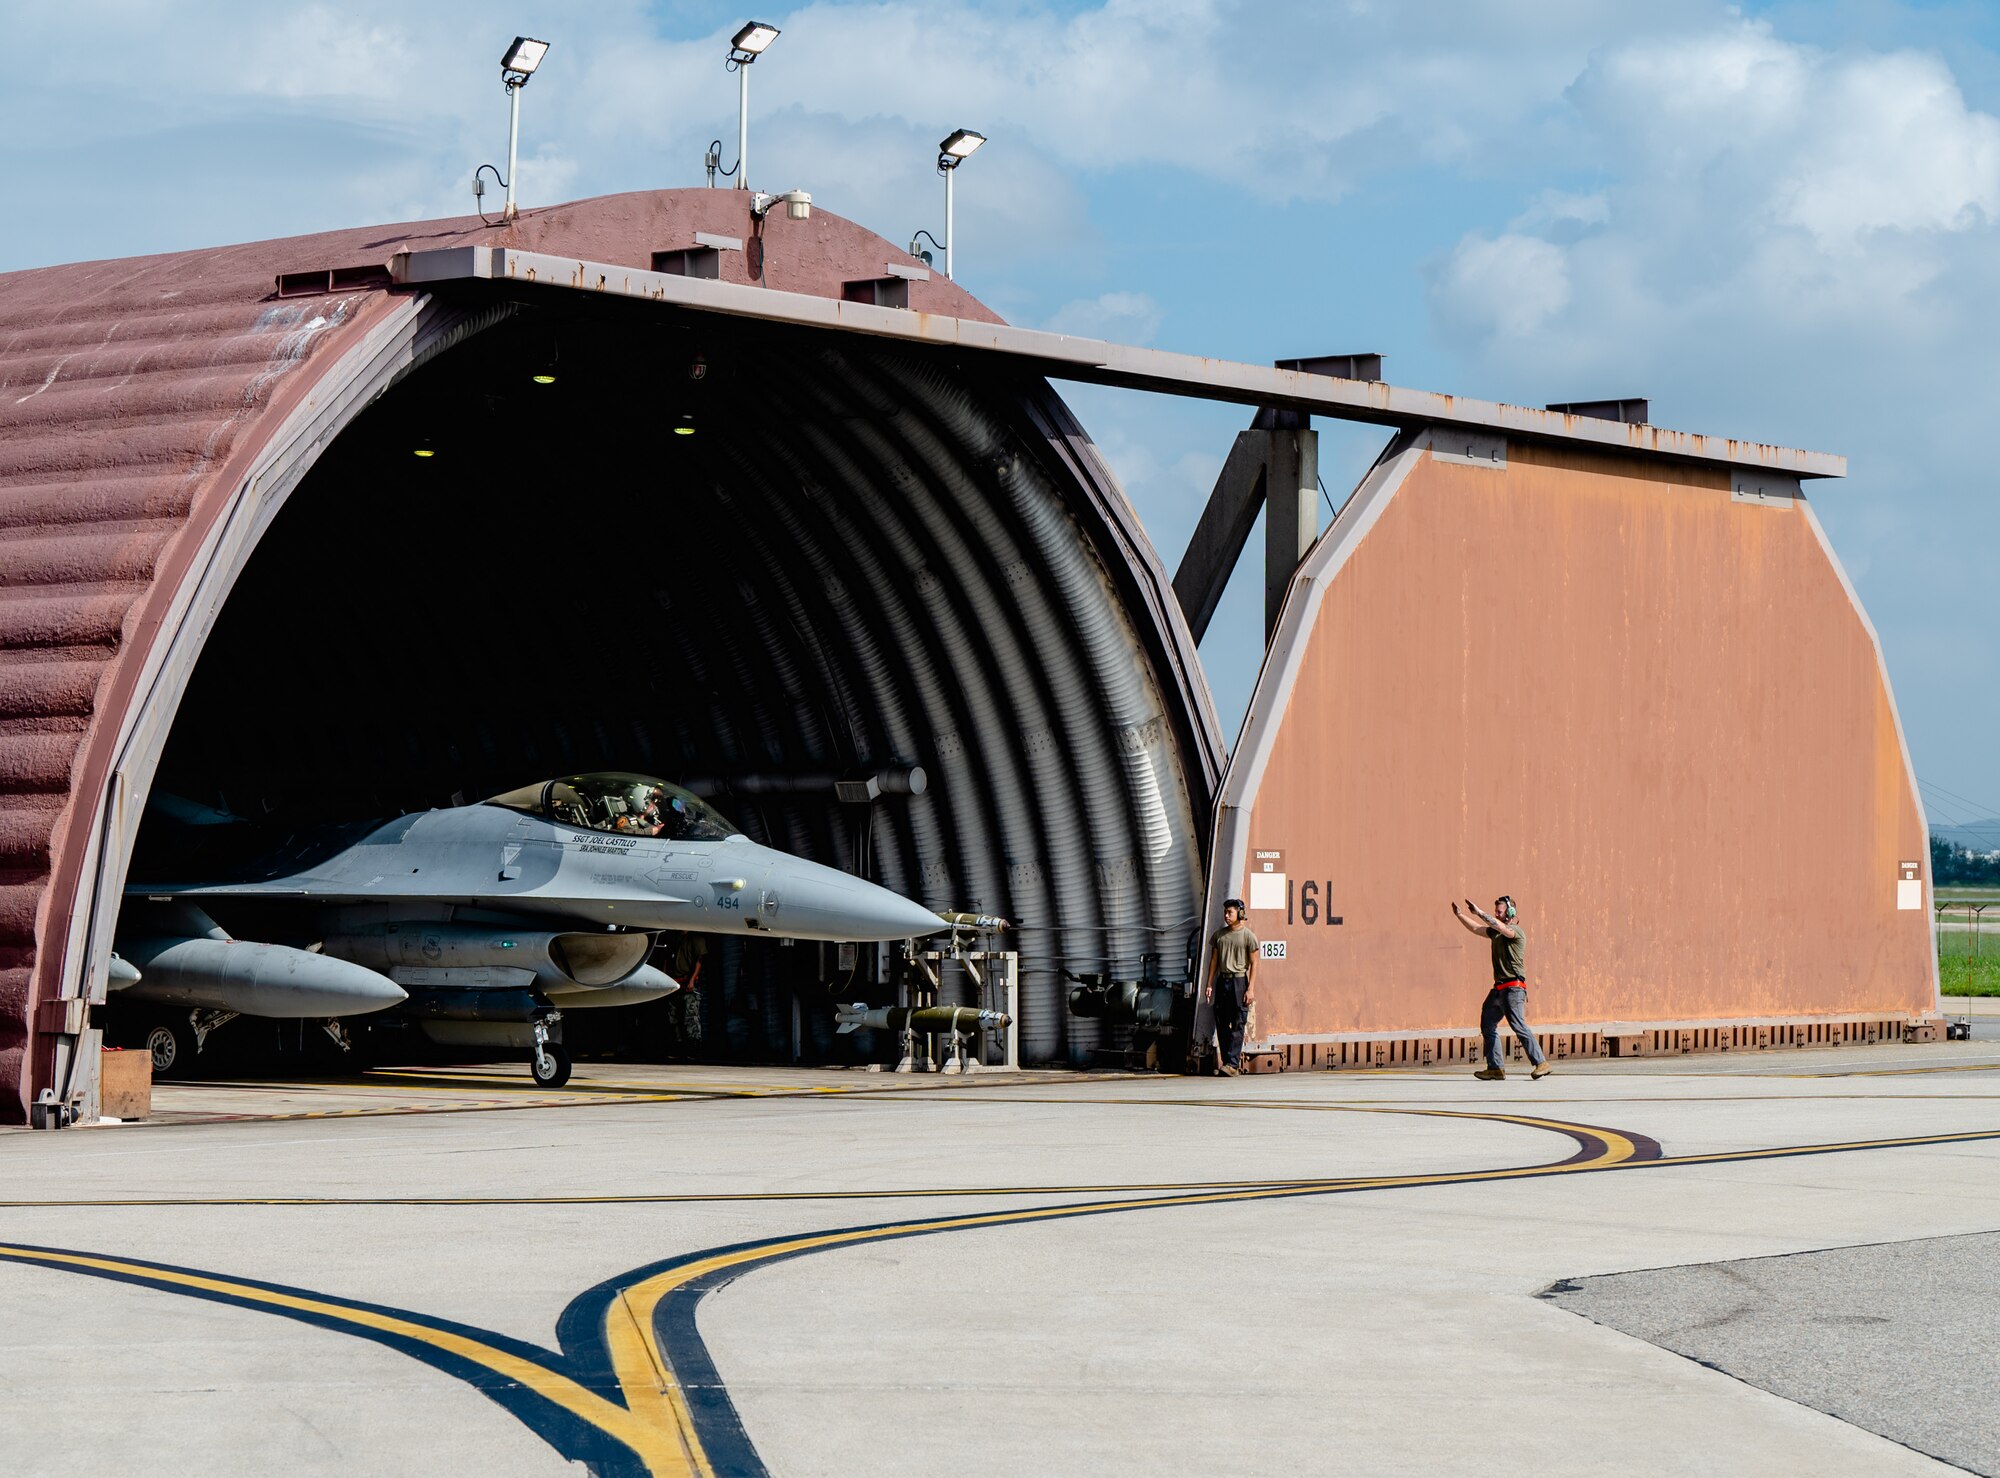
[{"x": 382, "y": 520}]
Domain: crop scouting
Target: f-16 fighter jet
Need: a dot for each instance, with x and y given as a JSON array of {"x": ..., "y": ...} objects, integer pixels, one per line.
[{"x": 482, "y": 924}]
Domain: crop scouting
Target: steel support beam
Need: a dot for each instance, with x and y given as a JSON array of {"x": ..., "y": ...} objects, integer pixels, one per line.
[
  {"x": 1274, "y": 466},
  {"x": 1224, "y": 529},
  {"x": 1291, "y": 504}
]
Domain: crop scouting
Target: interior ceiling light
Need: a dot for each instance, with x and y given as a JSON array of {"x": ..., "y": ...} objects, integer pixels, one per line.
[
  {"x": 544, "y": 378},
  {"x": 963, "y": 141},
  {"x": 526, "y": 54},
  {"x": 423, "y": 449},
  {"x": 686, "y": 427},
  {"x": 753, "y": 38}
]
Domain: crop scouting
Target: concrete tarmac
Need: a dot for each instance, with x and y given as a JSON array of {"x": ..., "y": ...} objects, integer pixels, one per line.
[
  {"x": 684, "y": 1270},
  {"x": 1910, "y": 1355}
]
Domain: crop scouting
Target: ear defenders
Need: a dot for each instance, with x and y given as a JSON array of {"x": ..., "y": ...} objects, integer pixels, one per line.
[{"x": 1507, "y": 910}]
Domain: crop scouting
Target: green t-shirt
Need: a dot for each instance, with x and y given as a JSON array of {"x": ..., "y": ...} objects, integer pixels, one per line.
[
  {"x": 1507, "y": 954},
  {"x": 1234, "y": 949}
]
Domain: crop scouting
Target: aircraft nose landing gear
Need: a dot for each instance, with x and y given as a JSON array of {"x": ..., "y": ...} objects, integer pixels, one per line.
[{"x": 551, "y": 1061}]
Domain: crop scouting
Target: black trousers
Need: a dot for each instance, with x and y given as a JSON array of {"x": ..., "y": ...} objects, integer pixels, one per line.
[{"x": 1231, "y": 1013}]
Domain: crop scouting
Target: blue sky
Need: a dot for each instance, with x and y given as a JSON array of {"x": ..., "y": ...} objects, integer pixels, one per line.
[{"x": 1777, "y": 221}]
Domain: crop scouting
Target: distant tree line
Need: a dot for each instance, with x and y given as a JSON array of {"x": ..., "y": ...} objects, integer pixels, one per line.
[{"x": 1951, "y": 863}]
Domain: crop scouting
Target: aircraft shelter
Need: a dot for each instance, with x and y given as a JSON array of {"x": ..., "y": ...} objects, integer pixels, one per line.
[{"x": 400, "y": 517}]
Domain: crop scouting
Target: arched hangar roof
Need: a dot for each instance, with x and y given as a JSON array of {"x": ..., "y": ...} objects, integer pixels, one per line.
[{"x": 214, "y": 556}]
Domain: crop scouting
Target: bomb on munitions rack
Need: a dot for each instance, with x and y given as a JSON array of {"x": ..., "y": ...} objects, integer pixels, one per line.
[
  {"x": 979, "y": 923},
  {"x": 964, "y": 1019}
]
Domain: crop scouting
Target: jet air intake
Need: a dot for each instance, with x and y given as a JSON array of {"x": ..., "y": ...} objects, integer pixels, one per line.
[{"x": 647, "y": 983}]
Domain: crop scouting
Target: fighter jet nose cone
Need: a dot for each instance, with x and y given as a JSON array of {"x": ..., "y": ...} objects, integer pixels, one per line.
[
  {"x": 892, "y": 916},
  {"x": 923, "y": 921},
  {"x": 818, "y": 902},
  {"x": 899, "y": 919}
]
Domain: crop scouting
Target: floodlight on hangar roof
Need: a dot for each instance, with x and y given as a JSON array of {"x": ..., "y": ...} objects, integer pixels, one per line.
[
  {"x": 524, "y": 56},
  {"x": 752, "y": 41},
  {"x": 960, "y": 143}
]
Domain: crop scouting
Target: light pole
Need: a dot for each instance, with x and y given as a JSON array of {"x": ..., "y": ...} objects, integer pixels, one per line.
[
  {"x": 516, "y": 67},
  {"x": 744, "y": 48},
  {"x": 953, "y": 152}
]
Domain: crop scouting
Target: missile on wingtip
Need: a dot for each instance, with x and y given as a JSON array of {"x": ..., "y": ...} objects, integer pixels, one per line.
[
  {"x": 918, "y": 1018},
  {"x": 253, "y": 978}
]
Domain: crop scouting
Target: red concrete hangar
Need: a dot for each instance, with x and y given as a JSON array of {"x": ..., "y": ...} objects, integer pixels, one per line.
[{"x": 395, "y": 518}]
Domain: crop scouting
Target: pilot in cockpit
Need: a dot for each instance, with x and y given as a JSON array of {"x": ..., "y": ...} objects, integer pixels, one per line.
[{"x": 649, "y": 821}]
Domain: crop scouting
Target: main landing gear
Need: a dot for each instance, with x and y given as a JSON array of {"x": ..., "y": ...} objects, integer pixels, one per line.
[{"x": 550, "y": 1063}]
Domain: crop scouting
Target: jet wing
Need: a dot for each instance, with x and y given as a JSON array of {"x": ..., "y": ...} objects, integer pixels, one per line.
[{"x": 475, "y": 854}]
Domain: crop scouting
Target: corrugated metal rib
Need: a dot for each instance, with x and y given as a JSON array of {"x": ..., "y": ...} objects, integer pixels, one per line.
[
  {"x": 975, "y": 628},
  {"x": 113, "y": 409},
  {"x": 143, "y": 494}
]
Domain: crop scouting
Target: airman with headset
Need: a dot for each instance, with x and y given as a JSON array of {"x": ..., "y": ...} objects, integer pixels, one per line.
[
  {"x": 1509, "y": 996},
  {"x": 1232, "y": 984}
]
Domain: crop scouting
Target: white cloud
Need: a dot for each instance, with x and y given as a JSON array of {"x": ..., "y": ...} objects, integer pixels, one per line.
[
  {"x": 1838, "y": 145},
  {"x": 1558, "y": 213},
  {"x": 1758, "y": 181},
  {"x": 316, "y": 52},
  {"x": 1508, "y": 285},
  {"x": 1123, "y": 317},
  {"x": 1893, "y": 146}
]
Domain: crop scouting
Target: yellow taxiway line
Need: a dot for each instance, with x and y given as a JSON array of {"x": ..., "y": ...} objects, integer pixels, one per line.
[
  {"x": 657, "y": 1423},
  {"x": 656, "y": 1448}
]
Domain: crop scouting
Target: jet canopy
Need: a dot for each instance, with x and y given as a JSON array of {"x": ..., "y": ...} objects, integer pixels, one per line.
[{"x": 634, "y": 805}]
